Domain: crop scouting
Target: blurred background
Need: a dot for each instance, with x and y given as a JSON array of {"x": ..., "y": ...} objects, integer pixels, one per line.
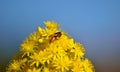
[{"x": 94, "y": 23}]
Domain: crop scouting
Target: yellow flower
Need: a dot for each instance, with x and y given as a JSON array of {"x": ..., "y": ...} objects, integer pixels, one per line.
[
  {"x": 27, "y": 47},
  {"x": 88, "y": 66},
  {"x": 51, "y": 25},
  {"x": 62, "y": 63},
  {"x": 77, "y": 66},
  {"x": 41, "y": 31},
  {"x": 50, "y": 50},
  {"x": 37, "y": 58},
  {"x": 65, "y": 42},
  {"x": 15, "y": 65},
  {"x": 78, "y": 50},
  {"x": 55, "y": 50},
  {"x": 82, "y": 66}
]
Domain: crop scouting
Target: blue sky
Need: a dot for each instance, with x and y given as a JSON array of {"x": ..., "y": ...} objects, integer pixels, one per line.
[{"x": 94, "y": 23}]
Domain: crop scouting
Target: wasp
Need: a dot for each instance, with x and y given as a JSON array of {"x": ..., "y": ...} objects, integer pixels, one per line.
[{"x": 54, "y": 36}]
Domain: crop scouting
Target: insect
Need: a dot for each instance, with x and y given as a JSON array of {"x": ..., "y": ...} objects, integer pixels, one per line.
[{"x": 54, "y": 36}]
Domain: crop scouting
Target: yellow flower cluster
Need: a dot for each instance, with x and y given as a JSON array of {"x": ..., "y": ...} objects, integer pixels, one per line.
[{"x": 50, "y": 49}]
